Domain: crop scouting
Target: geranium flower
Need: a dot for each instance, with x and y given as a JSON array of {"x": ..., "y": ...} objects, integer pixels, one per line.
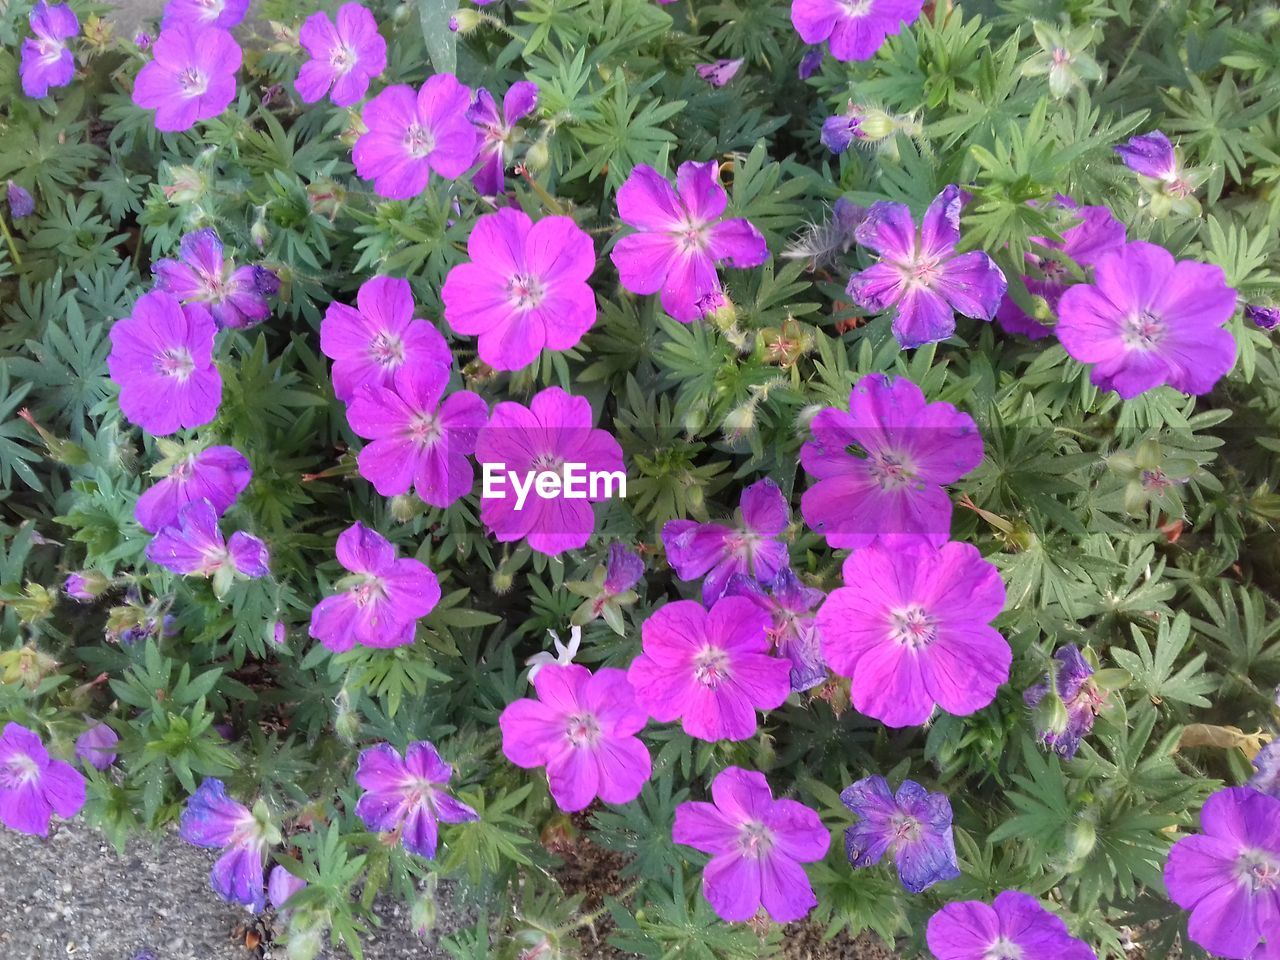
[
  {"x": 21, "y": 203},
  {"x": 913, "y": 827},
  {"x": 853, "y": 29},
  {"x": 216, "y": 475},
  {"x": 381, "y": 601},
  {"x": 525, "y": 288},
  {"x": 582, "y": 728},
  {"x": 810, "y": 63},
  {"x": 498, "y": 132},
  {"x": 680, "y": 237},
  {"x": 236, "y": 296},
  {"x": 192, "y": 75},
  {"x": 912, "y": 628},
  {"x": 344, "y": 56},
  {"x": 717, "y": 551},
  {"x": 921, "y": 274},
  {"x": 893, "y": 494},
  {"x": 719, "y": 73},
  {"x": 162, "y": 359},
  {"x": 408, "y": 795},
  {"x": 1148, "y": 320},
  {"x": 1080, "y": 696},
  {"x": 709, "y": 669},
  {"x": 1268, "y": 318},
  {"x": 757, "y": 845},
  {"x": 213, "y": 820},
  {"x": 554, "y": 430},
  {"x": 420, "y": 438},
  {"x": 194, "y": 547},
  {"x": 33, "y": 785},
  {"x": 1151, "y": 155},
  {"x": 46, "y": 61},
  {"x": 281, "y": 885},
  {"x": 1014, "y": 925},
  {"x": 1267, "y": 765},
  {"x": 204, "y": 13},
  {"x": 96, "y": 746},
  {"x": 85, "y": 585},
  {"x": 794, "y": 633},
  {"x": 412, "y": 134}
]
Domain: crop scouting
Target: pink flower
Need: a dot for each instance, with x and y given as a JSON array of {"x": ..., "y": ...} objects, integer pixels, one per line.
[
  {"x": 680, "y": 237},
  {"x": 757, "y": 845},
  {"x": 194, "y": 546},
  {"x": 200, "y": 13},
  {"x": 237, "y": 296},
  {"x": 344, "y": 56},
  {"x": 46, "y": 60},
  {"x": 582, "y": 728},
  {"x": 33, "y": 785},
  {"x": 216, "y": 474},
  {"x": 855, "y": 29},
  {"x": 525, "y": 288},
  {"x": 408, "y": 795},
  {"x": 710, "y": 669},
  {"x": 191, "y": 77},
  {"x": 498, "y": 132}
]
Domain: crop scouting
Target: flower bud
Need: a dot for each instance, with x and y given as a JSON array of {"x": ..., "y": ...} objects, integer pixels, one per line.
[
  {"x": 85, "y": 585},
  {"x": 538, "y": 157},
  {"x": 740, "y": 421},
  {"x": 1050, "y": 715},
  {"x": 1081, "y": 839},
  {"x": 346, "y": 721},
  {"x": 422, "y": 915},
  {"x": 186, "y": 184},
  {"x": 404, "y": 507},
  {"x": 465, "y": 20}
]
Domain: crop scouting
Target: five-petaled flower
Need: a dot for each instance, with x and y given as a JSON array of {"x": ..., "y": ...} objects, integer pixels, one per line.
[
  {"x": 192, "y": 75},
  {"x": 33, "y": 785},
  {"x": 408, "y": 795},
  {"x": 194, "y": 546},
  {"x": 345, "y": 55},
  {"x": 46, "y": 60},
  {"x": 214, "y": 820},
  {"x": 853, "y": 29},
  {"x": 216, "y": 475},
  {"x": 204, "y": 13},
  {"x": 794, "y": 632},
  {"x": 913, "y": 826},
  {"x": 236, "y": 296},
  {"x": 1013, "y": 927},
  {"x": 498, "y": 132}
]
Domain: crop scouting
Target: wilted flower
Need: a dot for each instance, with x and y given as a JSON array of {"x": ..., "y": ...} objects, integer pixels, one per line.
[
  {"x": 1063, "y": 57},
  {"x": 1268, "y": 318},
  {"x": 810, "y": 63},
  {"x": 822, "y": 243},
  {"x": 498, "y": 132},
  {"x": 33, "y": 785},
  {"x": 408, "y": 795},
  {"x": 1013, "y": 925},
  {"x": 194, "y": 546},
  {"x": 143, "y": 40},
  {"x": 96, "y": 746},
  {"x": 853, "y": 29},
  {"x": 216, "y": 475},
  {"x": 46, "y": 61},
  {"x": 212, "y": 819},
  {"x": 85, "y": 585},
  {"x": 1170, "y": 187},
  {"x": 1153, "y": 476},
  {"x": 913, "y": 827},
  {"x": 21, "y": 203},
  {"x": 565, "y": 652},
  {"x": 201, "y": 13},
  {"x": 794, "y": 634},
  {"x": 192, "y": 75},
  {"x": 719, "y": 73},
  {"x": 1267, "y": 765},
  {"x": 237, "y": 296},
  {"x": 345, "y": 55},
  {"x": 281, "y": 885},
  {"x": 1080, "y": 696},
  {"x": 866, "y": 126}
]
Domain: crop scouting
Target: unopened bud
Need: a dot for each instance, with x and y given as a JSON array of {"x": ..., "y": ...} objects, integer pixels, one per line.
[
  {"x": 740, "y": 420},
  {"x": 404, "y": 507},
  {"x": 85, "y": 585},
  {"x": 1050, "y": 715},
  {"x": 1081, "y": 840},
  {"x": 465, "y": 20},
  {"x": 346, "y": 721},
  {"x": 186, "y": 184},
  {"x": 538, "y": 157}
]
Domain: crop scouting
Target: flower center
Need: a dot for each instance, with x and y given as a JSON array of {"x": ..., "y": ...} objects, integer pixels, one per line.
[
  {"x": 582, "y": 729},
  {"x": 755, "y": 839},
  {"x": 193, "y": 82},
  {"x": 1061, "y": 56},
  {"x": 418, "y": 141},
  {"x": 425, "y": 429},
  {"x": 1142, "y": 331},
  {"x": 370, "y": 590},
  {"x": 1258, "y": 870},
  {"x": 912, "y": 627},
  {"x": 183, "y": 471},
  {"x": 922, "y": 272},
  {"x": 890, "y": 470},
  {"x": 177, "y": 363},
  {"x": 711, "y": 666},
  {"x": 48, "y": 48},
  {"x": 387, "y": 350},
  {"x": 18, "y": 771},
  {"x": 525, "y": 291},
  {"x": 1003, "y": 949},
  {"x": 904, "y": 828},
  {"x": 342, "y": 58},
  {"x": 547, "y": 462},
  {"x": 692, "y": 237},
  {"x": 857, "y": 8}
]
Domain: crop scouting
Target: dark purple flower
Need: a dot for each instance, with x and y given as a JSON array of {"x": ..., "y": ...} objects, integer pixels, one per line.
[
  {"x": 204, "y": 13},
  {"x": 97, "y": 745},
  {"x": 408, "y": 795},
  {"x": 192, "y": 75},
  {"x": 237, "y": 296},
  {"x": 623, "y": 569},
  {"x": 143, "y": 40},
  {"x": 810, "y": 63},
  {"x": 1079, "y": 694},
  {"x": 215, "y": 474},
  {"x": 921, "y": 273},
  {"x": 914, "y": 827},
  {"x": 33, "y": 785},
  {"x": 212, "y": 819},
  {"x": 1013, "y": 927},
  {"x": 194, "y": 547},
  {"x": 281, "y": 885},
  {"x": 719, "y": 73},
  {"x": 21, "y": 203},
  {"x": 85, "y": 585},
  {"x": 1152, "y": 155},
  {"x": 1268, "y": 318},
  {"x": 1267, "y": 763},
  {"x": 791, "y": 605},
  {"x": 46, "y": 61},
  {"x": 840, "y": 131},
  {"x": 498, "y": 132},
  {"x": 717, "y": 551},
  {"x": 344, "y": 56},
  {"x": 854, "y": 29}
]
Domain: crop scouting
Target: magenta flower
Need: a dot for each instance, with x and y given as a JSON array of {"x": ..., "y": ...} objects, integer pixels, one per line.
[
  {"x": 33, "y": 785},
  {"x": 553, "y": 435},
  {"x": 1080, "y": 695},
  {"x": 380, "y": 602},
  {"x": 408, "y": 795},
  {"x": 191, "y": 77},
  {"x": 757, "y": 845},
  {"x": 681, "y": 237},
  {"x": 344, "y": 56},
  {"x": 1097, "y": 233},
  {"x": 194, "y": 547},
  {"x": 912, "y": 628},
  {"x": 913, "y": 827},
  {"x": 96, "y": 746},
  {"x": 717, "y": 551},
  {"x": 1148, "y": 320},
  {"x": 709, "y": 669},
  {"x": 46, "y": 61},
  {"x": 369, "y": 342},
  {"x": 793, "y": 633},
  {"x": 853, "y": 29},
  {"x": 281, "y": 885},
  {"x": 719, "y": 73},
  {"x": 498, "y": 132},
  {"x": 582, "y": 728},
  {"x": 420, "y": 437},
  {"x": 1267, "y": 764},
  {"x": 162, "y": 359},
  {"x": 216, "y": 475},
  {"x": 1014, "y": 925},
  {"x": 921, "y": 274},
  {"x": 204, "y": 13},
  {"x": 213, "y": 820},
  {"x": 894, "y": 494},
  {"x": 236, "y": 296},
  {"x": 412, "y": 134},
  {"x": 524, "y": 289}
]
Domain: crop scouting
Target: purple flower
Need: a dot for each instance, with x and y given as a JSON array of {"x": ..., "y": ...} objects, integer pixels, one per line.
[
  {"x": 894, "y": 493},
  {"x": 709, "y": 669},
  {"x": 236, "y": 296},
  {"x": 524, "y": 289},
  {"x": 921, "y": 273},
  {"x": 757, "y": 845},
  {"x": 1014, "y": 925},
  {"x": 408, "y": 795},
  {"x": 1148, "y": 320},
  {"x": 680, "y": 237},
  {"x": 912, "y": 628},
  {"x": 793, "y": 633},
  {"x": 46, "y": 61},
  {"x": 1079, "y": 694},
  {"x": 1097, "y": 233},
  {"x": 381, "y": 601},
  {"x": 839, "y": 131},
  {"x": 85, "y": 585},
  {"x": 143, "y": 40},
  {"x": 21, "y": 203},
  {"x": 420, "y": 437},
  {"x": 1228, "y": 876},
  {"x": 212, "y": 819},
  {"x": 550, "y": 436},
  {"x": 1267, "y": 763},
  {"x": 281, "y": 885},
  {"x": 369, "y": 342},
  {"x": 1268, "y": 318},
  {"x": 191, "y": 77},
  {"x": 719, "y": 73},
  {"x": 194, "y": 547},
  {"x": 97, "y": 745},
  {"x": 162, "y": 359},
  {"x": 412, "y": 134},
  {"x": 914, "y": 827},
  {"x": 582, "y": 728},
  {"x": 854, "y": 29},
  {"x": 717, "y": 551},
  {"x": 623, "y": 569},
  {"x": 810, "y": 63},
  {"x": 215, "y": 474},
  {"x": 344, "y": 56},
  {"x": 498, "y": 132},
  {"x": 1152, "y": 155},
  {"x": 204, "y": 13},
  {"x": 33, "y": 785}
]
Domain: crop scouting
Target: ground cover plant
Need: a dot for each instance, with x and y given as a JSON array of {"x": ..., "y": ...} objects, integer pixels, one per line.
[{"x": 934, "y": 343}]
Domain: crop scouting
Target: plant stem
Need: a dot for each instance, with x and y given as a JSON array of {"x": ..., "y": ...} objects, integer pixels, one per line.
[{"x": 8, "y": 238}]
